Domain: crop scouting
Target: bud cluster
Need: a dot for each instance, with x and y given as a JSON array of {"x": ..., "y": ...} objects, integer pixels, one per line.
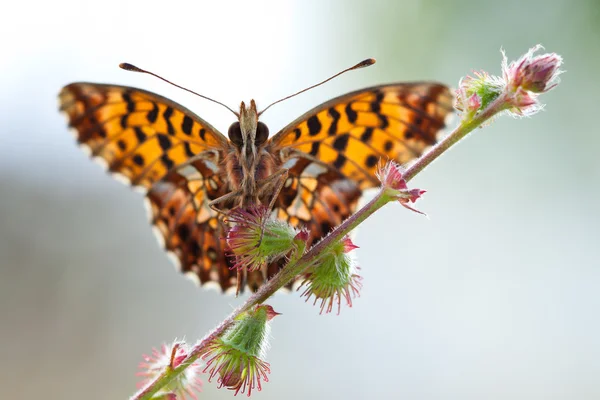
[
  {"x": 394, "y": 186},
  {"x": 519, "y": 87}
]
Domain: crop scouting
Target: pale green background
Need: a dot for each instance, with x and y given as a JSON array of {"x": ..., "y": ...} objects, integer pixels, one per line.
[{"x": 495, "y": 297}]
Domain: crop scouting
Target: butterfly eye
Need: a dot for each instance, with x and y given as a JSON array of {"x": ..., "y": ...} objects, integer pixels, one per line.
[
  {"x": 262, "y": 134},
  {"x": 235, "y": 134}
]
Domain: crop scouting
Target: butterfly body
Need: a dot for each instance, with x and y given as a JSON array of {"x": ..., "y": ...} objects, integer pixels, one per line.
[
  {"x": 312, "y": 172},
  {"x": 249, "y": 161}
]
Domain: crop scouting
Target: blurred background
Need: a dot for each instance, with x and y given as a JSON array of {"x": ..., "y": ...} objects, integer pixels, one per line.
[{"x": 495, "y": 296}]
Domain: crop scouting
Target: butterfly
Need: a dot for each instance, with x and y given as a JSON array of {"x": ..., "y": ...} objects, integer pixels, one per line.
[{"x": 311, "y": 173}]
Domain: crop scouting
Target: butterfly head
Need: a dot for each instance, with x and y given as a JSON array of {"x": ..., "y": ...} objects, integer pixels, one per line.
[{"x": 248, "y": 134}]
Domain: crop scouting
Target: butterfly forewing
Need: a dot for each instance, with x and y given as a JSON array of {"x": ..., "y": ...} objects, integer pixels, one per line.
[{"x": 139, "y": 134}]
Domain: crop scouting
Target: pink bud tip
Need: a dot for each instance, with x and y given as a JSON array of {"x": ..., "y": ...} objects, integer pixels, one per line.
[
  {"x": 537, "y": 74},
  {"x": 411, "y": 197},
  {"x": 415, "y": 194},
  {"x": 178, "y": 354},
  {"x": 348, "y": 245},
  {"x": 391, "y": 176},
  {"x": 303, "y": 235},
  {"x": 270, "y": 312},
  {"x": 474, "y": 102}
]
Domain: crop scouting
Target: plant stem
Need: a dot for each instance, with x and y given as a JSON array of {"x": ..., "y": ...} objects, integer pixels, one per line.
[{"x": 293, "y": 269}]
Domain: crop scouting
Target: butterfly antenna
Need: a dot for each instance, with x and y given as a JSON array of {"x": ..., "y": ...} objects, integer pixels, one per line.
[
  {"x": 362, "y": 64},
  {"x": 130, "y": 67}
]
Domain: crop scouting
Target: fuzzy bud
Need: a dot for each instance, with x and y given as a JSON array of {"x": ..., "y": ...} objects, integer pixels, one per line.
[
  {"x": 476, "y": 92},
  {"x": 256, "y": 239},
  {"x": 171, "y": 357},
  {"x": 394, "y": 185},
  {"x": 236, "y": 356},
  {"x": 517, "y": 90},
  {"x": 528, "y": 77},
  {"x": 537, "y": 74},
  {"x": 333, "y": 278}
]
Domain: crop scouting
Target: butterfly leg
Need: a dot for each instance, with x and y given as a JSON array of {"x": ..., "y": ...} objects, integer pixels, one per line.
[
  {"x": 275, "y": 181},
  {"x": 273, "y": 184},
  {"x": 212, "y": 205},
  {"x": 224, "y": 198}
]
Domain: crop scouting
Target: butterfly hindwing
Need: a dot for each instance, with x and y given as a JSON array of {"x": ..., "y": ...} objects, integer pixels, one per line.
[
  {"x": 316, "y": 197},
  {"x": 192, "y": 232}
]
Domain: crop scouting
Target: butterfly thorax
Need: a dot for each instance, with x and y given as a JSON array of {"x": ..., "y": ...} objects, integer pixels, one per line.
[{"x": 248, "y": 161}]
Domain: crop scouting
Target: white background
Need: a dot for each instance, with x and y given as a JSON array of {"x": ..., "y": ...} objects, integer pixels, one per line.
[{"x": 494, "y": 297}]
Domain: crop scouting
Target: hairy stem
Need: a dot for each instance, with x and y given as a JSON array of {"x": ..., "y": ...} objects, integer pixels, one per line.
[{"x": 299, "y": 266}]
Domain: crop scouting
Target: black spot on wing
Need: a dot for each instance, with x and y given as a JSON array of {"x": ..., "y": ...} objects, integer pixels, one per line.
[
  {"x": 336, "y": 117},
  {"x": 383, "y": 121},
  {"x": 164, "y": 142},
  {"x": 152, "y": 114},
  {"x": 138, "y": 160},
  {"x": 366, "y": 135},
  {"x": 350, "y": 113},
  {"x": 339, "y": 161},
  {"x": 184, "y": 232},
  {"x": 130, "y": 103},
  {"x": 341, "y": 142},
  {"x": 168, "y": 163},
  {"x": 195, "y": 249},
  {"x": 371, "y": 161},
  {"x": 186, "y": 125},
  {"x": 314, "y": 150},
  {"x": 188, "y": 149},
  {"x": 139, "y": 134},
  {"x": 167, "y": 116},
  {"x": 123, "y": 121},
  {"x": 314, "y": 125},
  {"x": 388, "y": 146}
]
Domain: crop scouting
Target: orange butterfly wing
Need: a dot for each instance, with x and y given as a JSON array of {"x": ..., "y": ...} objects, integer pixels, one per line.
[
  {"x": 173, "y": 155},
  {"x": 332, "y": 151},
  {"x": 168, "y": 152}
]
